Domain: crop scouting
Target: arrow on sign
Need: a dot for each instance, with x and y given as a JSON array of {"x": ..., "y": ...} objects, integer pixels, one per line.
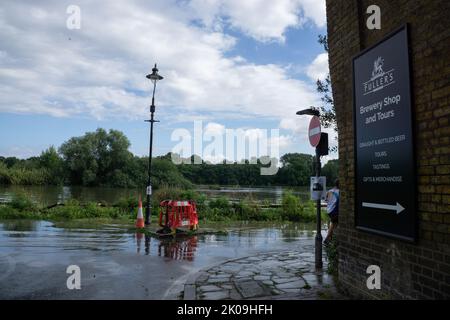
[{"x": 398, "y": 207}]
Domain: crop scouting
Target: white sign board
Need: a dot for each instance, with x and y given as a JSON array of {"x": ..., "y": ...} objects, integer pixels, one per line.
[
  {"x": 318, "y": 192},
  {"x": 149, "y": 190}
]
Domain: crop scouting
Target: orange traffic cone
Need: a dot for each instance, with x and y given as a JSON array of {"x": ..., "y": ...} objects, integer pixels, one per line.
[{"x": 140, "y": 216}]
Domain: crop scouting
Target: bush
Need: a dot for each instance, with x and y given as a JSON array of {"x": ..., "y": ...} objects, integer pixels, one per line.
[
  {"x": 309, "y": 211},
  {"x": 218, "y": 209},
  {"x": 22, "y": 203},
  {"x": 23, "y": 176},
  {"x": 127, "y": 204},
  {"x": 73, "y": 210},
  {"x": 290, "y": 205},
  {"x": 222, "y": 207},
  {"x": 220, "y": 203},
  {"x": 8, "y": 212}
]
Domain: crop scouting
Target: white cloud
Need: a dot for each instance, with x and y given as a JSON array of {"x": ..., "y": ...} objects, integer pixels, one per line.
[
  {"x": 24, "y": 152},
  {"x": 282, "y": 141},
  {"x": 213, "y": 129},
  {"x": 99, "y": 70},
  {"x": 297, "y": 124},
  {"x": 315, "y": 10},
  {"x": 264, "y": 20},
  {"x": 318, "y": 69}
]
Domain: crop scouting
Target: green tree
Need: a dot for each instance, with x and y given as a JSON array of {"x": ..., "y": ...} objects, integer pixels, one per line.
[
  {"x": 295, "y": 170},
  {"x": 331, "y": 171},
  {"x": 165, "y": 172},
  {"x": 328, "y": 111},
  {"x": 97, "y": 158},
  {"x": 53, "y": 163}
]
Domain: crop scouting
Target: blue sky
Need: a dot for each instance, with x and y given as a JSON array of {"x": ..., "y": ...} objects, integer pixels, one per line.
[{"x": 231, "y": 64}]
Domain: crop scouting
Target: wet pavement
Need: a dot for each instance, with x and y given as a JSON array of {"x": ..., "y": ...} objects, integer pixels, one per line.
[
  {"x": 117, "y": 263},
  {"x": 277, "y": 275}
]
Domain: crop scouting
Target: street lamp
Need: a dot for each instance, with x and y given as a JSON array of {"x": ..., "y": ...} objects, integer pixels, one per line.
[
  {"x": 154, "y": 77},
  {"x": 318, "y": 246},
  {"x": 310, "y": 112}
]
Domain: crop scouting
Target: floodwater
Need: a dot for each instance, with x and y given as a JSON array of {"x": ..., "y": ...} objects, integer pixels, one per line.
[
  {"x": 118, "y": 263},
  {"x": 48, "y": 195}
]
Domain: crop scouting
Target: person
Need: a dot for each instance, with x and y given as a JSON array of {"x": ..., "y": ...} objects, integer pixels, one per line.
[{"x": 332, "y": 210}]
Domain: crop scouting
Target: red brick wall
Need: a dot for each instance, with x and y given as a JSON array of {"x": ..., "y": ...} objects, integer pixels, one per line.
[{"x": 420, "y": 270}]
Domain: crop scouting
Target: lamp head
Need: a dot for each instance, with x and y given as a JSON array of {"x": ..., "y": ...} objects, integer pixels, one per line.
[
  {"x": 154, "y": 76},
  {"x": 311, "y": 111}
]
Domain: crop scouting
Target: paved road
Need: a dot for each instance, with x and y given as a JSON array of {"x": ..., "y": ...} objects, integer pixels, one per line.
[{"x": 275, "y": 275}]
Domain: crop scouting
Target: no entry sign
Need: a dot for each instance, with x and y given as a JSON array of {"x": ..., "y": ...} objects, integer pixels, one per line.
[
  {"x": 384, "y": 156},
  {"x": 314, "y": 131}
]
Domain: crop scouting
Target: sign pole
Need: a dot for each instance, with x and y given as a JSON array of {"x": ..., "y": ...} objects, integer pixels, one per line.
[
  {"x": 318, "y": 247},
  {"x": 321, "y": 144}
]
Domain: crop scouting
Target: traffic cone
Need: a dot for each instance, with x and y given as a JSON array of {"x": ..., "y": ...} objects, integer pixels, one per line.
[{"x": 140, "y": 216}]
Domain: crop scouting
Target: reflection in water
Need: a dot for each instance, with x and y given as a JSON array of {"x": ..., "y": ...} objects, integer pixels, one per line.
[
  {"x": 18, "y": 225},
  {"x": 147, "y": 244},
  {"x": 272, "y": 194},
  {"x": 138, "y": 241},
  {"x": 178, "y": 249},
  {"x": 48, "y": 195}
]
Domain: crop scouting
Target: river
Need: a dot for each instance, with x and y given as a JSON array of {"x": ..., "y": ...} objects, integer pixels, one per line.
[{"x": 48, "y": 195}]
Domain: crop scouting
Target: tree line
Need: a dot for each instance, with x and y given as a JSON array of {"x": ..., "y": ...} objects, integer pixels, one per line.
[{"x": 102, "y": 158}]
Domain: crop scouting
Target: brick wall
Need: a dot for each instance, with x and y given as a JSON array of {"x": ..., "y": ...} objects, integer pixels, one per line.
[{"x": 411, "y": 271}]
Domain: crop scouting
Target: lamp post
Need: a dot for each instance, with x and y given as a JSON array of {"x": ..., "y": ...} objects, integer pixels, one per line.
[
  {"x": 318, "y": 245},
  {"x": 154, "y": 77}
]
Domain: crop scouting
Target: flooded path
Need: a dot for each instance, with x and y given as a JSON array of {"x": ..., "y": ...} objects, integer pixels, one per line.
[{"x": 117, "y": 263}]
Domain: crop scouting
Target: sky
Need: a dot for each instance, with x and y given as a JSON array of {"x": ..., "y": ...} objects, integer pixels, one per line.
[{"x": 232, "y": 64}]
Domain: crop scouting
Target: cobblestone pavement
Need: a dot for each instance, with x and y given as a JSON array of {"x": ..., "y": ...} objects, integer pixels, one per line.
[{"x": 280, "y": 275}]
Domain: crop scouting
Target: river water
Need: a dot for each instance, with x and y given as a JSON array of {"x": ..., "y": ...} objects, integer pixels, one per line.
[
  {"x": 49, "y": 195},
  {"x": 118, "y": 263}
]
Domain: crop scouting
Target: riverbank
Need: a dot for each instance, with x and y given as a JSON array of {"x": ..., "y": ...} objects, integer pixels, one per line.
[{"x": 219, "y": 209}]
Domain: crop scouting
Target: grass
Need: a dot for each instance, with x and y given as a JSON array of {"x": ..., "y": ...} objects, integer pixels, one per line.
[{"x": 219, "y": 209}]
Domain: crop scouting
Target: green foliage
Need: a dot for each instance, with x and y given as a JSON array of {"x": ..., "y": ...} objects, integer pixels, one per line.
[
  {"x": 293, "y": 210},
  {"x": 165, "y": 172},
  {"x": 220, "y": 203},
  {"x": 17, "y": 175},
  {"x": 102, "y": 158},
  {"x": 97, "y": 158},
  {"x": 328, "y": 114},
  {"x": 22, "y": 203},
  {"x": 333, "y": 257},
  {"x": 331, "y": 171},
  {"x": 73, "y": 210},
  {"x": 291, "y": 207},
  {"x": 219, "y": 209},
  {"x": 127, "y": 204},
  {"x": 53, "y": 163},
  {"x": 296, "y": 169},
  {"x": 225, "y": 174},
  {"x": 328, "y": 109},
  {"x": 8, "y": 212}
]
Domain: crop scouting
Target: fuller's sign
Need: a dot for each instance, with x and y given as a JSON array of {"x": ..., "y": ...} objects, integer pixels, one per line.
[{"x": 384, "y": 151}]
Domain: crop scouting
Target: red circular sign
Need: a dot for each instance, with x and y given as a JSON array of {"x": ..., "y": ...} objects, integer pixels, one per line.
[{"x": 314, "y": 131}]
